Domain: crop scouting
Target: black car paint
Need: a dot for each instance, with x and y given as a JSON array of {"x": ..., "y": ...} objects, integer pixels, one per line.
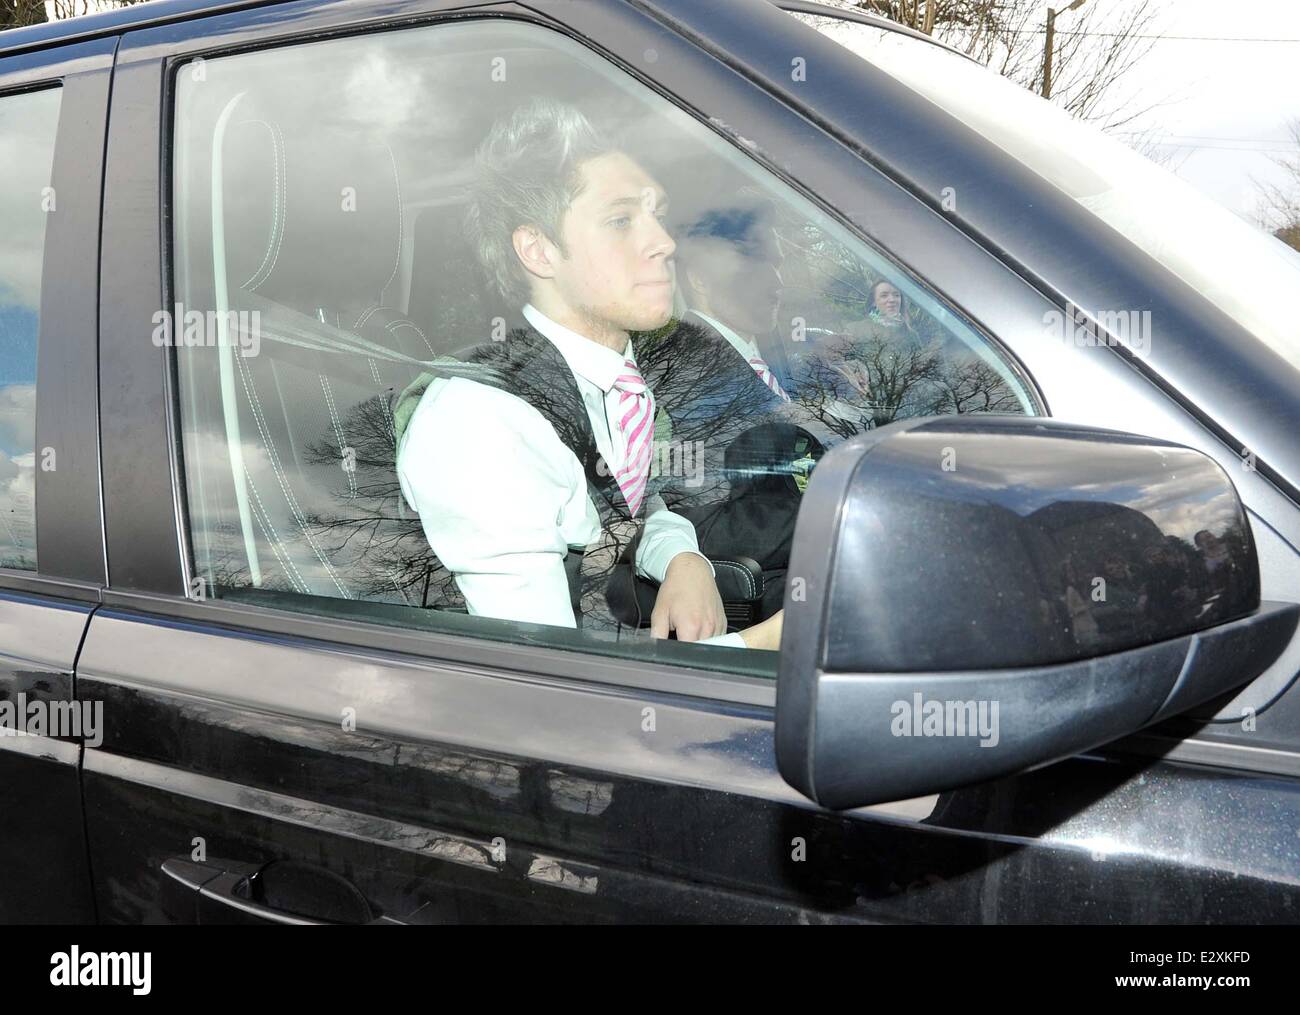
[
  {"x": 600, "y": 819},
  {"x": 223, "y": 720}
]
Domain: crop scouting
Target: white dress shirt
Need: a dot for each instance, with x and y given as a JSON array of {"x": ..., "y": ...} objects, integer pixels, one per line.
[
  {"x": 748, "y": 350},
  {"x": 502, "y": 499}
]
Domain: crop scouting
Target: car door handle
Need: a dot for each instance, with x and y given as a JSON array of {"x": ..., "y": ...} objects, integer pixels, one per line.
[{"x": 279, "y": 892}]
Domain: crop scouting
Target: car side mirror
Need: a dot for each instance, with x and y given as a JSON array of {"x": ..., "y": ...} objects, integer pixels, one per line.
[{"x": 970, "y": 596}]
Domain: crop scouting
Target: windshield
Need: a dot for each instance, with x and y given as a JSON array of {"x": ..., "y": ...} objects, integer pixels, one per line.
[{"x": 1248, "y": 274}]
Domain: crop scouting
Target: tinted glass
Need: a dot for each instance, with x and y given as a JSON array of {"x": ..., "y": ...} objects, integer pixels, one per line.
[
  {"x": 28, "y": 123},
  {"x": 396, "y": 394}
]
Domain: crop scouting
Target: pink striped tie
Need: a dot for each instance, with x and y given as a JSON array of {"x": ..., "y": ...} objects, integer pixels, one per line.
[
  {"x": 636, "y": 409},
  {"x": 766, "y": 376}
]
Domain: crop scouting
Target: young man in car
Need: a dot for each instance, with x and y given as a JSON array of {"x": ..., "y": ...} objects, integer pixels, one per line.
[{"x": 534, "y": 521}]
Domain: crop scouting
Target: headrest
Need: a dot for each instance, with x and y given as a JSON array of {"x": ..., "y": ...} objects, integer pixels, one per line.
[
  {"x": 309, "y": 222},
  {"x": 456, "y": 304}
]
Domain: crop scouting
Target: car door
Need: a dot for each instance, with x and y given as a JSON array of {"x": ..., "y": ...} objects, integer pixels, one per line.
[
  {"x": 367, "y": 760},
  {"x": 53, "y": 105}
]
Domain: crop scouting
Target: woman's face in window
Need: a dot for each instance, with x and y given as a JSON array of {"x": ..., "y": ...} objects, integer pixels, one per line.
[{"x": 889, "y": 301}]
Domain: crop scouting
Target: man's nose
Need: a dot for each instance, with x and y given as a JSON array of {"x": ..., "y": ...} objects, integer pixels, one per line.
[{"x": 661, "y": 244}]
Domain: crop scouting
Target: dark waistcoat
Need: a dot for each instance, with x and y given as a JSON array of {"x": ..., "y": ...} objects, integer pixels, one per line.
[{"x": 528, "y": 366}]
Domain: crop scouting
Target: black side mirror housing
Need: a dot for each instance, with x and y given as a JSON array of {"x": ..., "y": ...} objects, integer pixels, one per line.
[{"x": 970, "y": 596}]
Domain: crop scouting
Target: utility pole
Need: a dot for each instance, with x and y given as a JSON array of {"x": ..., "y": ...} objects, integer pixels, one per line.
[
  {"x": 1048, "y": 45},
  {"x": 1047, "y": 53},
  {"x": 930, "y": 11}
]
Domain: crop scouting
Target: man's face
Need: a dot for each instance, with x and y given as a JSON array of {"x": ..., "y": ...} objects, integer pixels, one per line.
[
  {"x": 619, "y": 269},
  {"x": 743, "y": 282}
]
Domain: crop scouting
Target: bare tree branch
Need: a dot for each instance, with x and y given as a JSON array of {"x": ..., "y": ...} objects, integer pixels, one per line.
[
  {"x": 1278, "y": 208},
  {"x": 1092, "y": 55}
]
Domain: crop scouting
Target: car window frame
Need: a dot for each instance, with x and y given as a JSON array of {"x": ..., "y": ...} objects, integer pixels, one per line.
[
  {"x": 156, "y": 577},
  {"x": 70, "y": 561}
]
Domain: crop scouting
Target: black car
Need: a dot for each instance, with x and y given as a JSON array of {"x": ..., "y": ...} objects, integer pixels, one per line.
[{"x": 1038, "y": 641}]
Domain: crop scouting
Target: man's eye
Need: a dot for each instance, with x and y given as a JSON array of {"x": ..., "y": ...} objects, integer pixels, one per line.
[{"x": 622, "y": 222}]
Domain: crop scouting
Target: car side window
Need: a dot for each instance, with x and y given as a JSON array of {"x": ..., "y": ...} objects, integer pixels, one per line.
[
  {"x": 476, "y": 333},
  {"x": 28, "y": 122}
]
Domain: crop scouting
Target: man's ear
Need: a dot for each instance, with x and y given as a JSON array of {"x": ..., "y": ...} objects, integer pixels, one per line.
[
  {"x": 695, "y": 283},
  {"x": 535, "y": 251}
]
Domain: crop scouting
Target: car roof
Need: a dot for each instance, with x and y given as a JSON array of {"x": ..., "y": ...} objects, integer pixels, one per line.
[
  {"x": 88, "y": 26},
  {"x": 864, "y": 18},
  {"x": 157, "y": 12}
]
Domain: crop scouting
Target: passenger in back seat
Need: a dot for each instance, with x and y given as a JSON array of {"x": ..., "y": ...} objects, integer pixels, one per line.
[
  {"x": 725, "y": 350},
  {"x": 531, "y": 484}
]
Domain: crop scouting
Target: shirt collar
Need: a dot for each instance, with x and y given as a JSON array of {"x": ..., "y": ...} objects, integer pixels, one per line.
[
  {"x": 590, "y": 360},
  {"x": 741, "y": 344}
]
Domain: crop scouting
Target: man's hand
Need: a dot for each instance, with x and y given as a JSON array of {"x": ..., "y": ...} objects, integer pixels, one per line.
[{"x": 688, "y": 601}]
